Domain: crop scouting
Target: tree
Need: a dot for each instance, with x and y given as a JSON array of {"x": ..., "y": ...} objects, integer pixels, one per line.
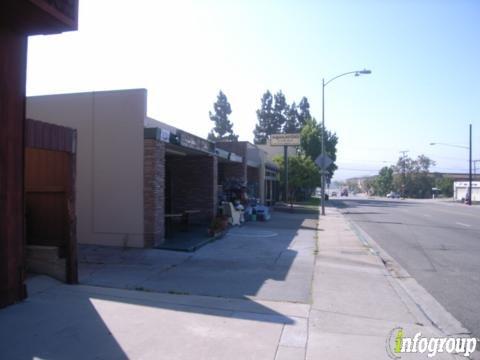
[
  {"x": 311, "y": 143},
  {"x": 280, "y": 108},
  {"x": 383, "y": 183},
  {"x": 266, "y": 121},
  {"x": 413, "y": 176},
  {"x": 303, "y": 176},
  {"x": 291, "y": 120},
  {"x": 445, "y": 185},
  {"x": 223, "y": 129},
  {"x": 368, "y": 185},
  {"x": 304, "y": 112}
]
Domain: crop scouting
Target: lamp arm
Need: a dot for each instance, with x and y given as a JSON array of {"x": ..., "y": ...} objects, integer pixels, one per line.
[{"x": 336, "y": 77}]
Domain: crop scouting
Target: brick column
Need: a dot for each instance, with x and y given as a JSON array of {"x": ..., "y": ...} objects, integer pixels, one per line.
[{"x": 154, "y": 192}]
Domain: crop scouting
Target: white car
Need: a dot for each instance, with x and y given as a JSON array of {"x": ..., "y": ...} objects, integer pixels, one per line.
[{"x": 393, "y": 195}]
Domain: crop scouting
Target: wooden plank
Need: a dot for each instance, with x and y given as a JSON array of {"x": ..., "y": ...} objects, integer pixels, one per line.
[
  {"x": 71, "y": 218},
  {"x": 50, "y": 197}
]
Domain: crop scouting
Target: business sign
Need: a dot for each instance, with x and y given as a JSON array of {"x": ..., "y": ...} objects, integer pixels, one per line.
[
  {"x": 165, "y": 135},
  {"x": 466, "y": 184},
  {"x": 195, "y": 142},
  {"x": 285, "y": 140}
]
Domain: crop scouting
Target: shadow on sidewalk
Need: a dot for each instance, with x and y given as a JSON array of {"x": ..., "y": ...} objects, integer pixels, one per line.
[
  {"x": 271, "y": 261},
  {"x": 266, "y": 260}
]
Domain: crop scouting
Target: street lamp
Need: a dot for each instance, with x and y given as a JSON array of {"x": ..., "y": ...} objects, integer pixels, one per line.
[
  {"x": 451, "y": 145},
  {"x": 325, "y": 83},
  {"x": 469, "y": 162}
]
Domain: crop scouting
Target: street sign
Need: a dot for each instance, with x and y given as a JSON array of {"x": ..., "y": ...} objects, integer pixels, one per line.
[
  {"x": 323, "y": 161},
  {"x": 285, "y": 139}
]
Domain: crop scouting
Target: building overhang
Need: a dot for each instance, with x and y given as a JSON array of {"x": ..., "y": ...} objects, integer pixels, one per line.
[
  {"x": 227, "y": 157},
  {"x": 34, "y": 17}
]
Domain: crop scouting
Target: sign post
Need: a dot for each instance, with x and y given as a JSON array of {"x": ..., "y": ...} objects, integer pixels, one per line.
[
  {"x": 323, "y": 161},
  {"x": 285, "y": 140}
]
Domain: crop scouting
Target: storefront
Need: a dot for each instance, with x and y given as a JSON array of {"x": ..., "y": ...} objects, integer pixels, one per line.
[{"x": 461, "y": 188}]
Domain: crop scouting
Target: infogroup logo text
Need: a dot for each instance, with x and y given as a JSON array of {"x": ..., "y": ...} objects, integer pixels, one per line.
[{"x": 398, "y": 344}]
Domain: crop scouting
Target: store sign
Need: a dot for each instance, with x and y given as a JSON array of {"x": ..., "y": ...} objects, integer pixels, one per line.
[
  {"x": 466, "y": 184},
  {"x": 195, "y": 142},
  {"x": 165, "y": 135},
  {"x": 285, "y": 140}
]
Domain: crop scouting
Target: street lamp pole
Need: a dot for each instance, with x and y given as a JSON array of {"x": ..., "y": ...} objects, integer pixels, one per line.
[
  {"x": 325, "y": 83},
  {"x": 322, "y": 194},
  {"x": 470, "y": 169}
]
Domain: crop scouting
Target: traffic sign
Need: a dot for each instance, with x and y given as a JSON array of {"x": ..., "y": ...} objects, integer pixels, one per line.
[{"x": 323, "y": 161}]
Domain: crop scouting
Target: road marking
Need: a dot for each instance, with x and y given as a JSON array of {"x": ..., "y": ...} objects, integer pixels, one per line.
[
  {"x": 454, "y": 212},
  {"x": 462, "y": 224},
  {"x": 426, "y": 215}
]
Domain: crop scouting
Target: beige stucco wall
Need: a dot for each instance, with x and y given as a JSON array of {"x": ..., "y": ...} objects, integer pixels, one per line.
[{"x": 109, "y": 160}]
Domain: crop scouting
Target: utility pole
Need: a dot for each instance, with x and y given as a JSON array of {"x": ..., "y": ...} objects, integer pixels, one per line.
[
  {"x": 403, "y": 157},
  {"x": 470, "y": 169},
  {"x": 285, "y": 159}
]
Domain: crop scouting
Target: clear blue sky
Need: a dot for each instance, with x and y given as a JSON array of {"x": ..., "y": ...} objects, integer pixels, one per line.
[{"x": 424, "y": 55}]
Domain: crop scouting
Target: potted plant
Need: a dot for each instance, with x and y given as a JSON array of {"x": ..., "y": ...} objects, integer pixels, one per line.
[{"x": 218, "y": 226}]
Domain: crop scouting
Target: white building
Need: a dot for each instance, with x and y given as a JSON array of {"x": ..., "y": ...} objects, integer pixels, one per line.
[{"x": 460, "y": 190}]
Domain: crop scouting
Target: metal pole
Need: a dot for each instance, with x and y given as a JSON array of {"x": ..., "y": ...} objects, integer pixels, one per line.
[
  {"x": 322, "y": 199},
  {"x": 404, "y": 155},
  {"x": 470, "y": 169},
  {"x": 285, "y": 161}
]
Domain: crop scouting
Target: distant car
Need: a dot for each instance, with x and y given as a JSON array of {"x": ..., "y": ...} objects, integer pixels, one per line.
[
  {"x": 393, "y": 195},
  {"x": 344, "y": 192},
  {"x": 334, "y": 193}
]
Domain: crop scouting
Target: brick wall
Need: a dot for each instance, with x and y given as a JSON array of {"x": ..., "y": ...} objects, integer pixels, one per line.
[
  {"x": 154, "y": 192},
  {"x": 234, "y": 170},
  {"x": 194, "y": 185}
]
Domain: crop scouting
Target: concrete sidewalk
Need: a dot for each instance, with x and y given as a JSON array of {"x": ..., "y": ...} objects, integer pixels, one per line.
[
  {"x": 248, "y": 296},
  {"x": 357, "y": 301}
]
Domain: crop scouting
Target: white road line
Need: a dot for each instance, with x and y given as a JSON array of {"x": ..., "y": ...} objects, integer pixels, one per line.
[
  {"x": 426, "y": 215},
  {"x": 462, "y": 224},
  {"x": 454, "y": 212}
]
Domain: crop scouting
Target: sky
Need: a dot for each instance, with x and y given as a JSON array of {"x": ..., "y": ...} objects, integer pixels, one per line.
[{"x": 424, "y": 56}]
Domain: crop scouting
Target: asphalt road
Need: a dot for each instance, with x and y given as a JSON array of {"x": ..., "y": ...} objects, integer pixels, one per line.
[{"x": 437, "y": 242}]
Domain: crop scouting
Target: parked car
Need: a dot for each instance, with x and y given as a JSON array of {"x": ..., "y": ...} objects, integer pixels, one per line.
[
  {"x": 393, "y": 195},
  {"x": 334, "y": 193},
  {"x": 344, "y": 192}
]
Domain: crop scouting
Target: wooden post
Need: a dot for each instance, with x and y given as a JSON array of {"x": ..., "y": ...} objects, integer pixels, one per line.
[{"x": 13, "y": 57}]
